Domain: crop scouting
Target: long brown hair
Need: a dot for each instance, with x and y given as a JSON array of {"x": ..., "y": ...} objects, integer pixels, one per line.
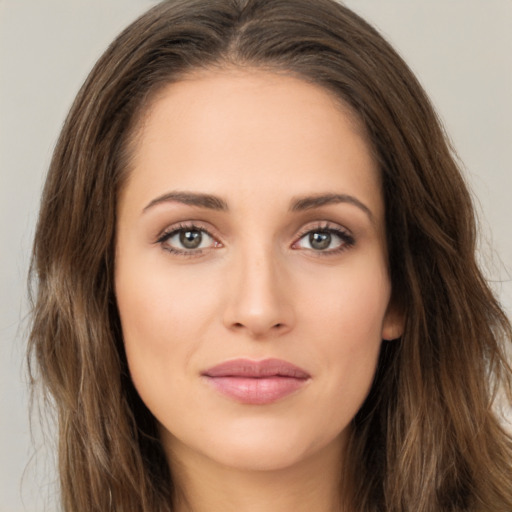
[{"x": 426, "y": 439}]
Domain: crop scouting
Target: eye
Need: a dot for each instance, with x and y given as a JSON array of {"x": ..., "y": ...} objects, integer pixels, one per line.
[
  {"x": 187, "y": 239},
  {"x": 326, "y": 240}
]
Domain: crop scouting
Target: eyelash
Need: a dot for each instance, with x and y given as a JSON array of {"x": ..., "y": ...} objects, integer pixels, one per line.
[
  {"x": 174, "y": 230},
  {"x": 347, "y": 240}
]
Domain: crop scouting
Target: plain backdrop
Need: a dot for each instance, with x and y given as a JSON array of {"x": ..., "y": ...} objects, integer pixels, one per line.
[{"x": 461, "y": 51}]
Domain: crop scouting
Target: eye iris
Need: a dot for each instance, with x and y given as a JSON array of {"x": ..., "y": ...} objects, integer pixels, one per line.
[
  {"x": 320, "y": 240},
  {"x": 191, "y": 239}
]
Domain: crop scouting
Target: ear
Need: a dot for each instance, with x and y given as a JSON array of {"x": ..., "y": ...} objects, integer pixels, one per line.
[{"x": 394, "y": 322}]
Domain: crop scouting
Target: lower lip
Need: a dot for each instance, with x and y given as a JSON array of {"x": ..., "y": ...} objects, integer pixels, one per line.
[{"x": 256, "y": 391}]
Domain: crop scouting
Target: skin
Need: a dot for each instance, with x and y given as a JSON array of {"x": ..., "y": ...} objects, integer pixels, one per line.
[{"x": 256, "y": 288}]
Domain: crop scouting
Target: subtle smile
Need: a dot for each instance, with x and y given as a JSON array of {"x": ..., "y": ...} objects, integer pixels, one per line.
[{"x": 256, "y": 382}]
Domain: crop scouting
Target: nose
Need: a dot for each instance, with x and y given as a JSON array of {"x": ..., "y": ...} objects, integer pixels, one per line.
[{"x": 259, "y": 299}]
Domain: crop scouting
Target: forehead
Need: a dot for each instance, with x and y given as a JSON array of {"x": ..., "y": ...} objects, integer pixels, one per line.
[
  {"x": 226, "y": 131},
  {"x": 199, "y": 95}
]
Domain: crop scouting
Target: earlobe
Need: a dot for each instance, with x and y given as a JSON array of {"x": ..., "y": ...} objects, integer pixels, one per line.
[{"x": 393, "y": 324}]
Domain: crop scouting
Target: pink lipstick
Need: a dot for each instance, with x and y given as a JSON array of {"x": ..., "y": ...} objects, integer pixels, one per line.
[{"x": 256, "y": 382}]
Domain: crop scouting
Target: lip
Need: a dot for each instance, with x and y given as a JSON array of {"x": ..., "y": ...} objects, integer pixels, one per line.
[{"x": 256, "y": 382}]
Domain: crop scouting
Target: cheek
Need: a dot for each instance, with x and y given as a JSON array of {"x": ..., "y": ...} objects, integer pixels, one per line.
[
  {"x": 157, "y": 302},
  {"x": 164, "y": 317},
  {"x": 349, "y": 307},
  {"x": 345, "y": 320}
]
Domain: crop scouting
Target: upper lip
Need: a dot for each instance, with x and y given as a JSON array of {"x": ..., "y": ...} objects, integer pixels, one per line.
[{"x": 256, "y": 369}]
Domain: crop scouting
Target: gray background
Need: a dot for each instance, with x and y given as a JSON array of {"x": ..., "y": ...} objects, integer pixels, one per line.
[{"x": 460, "y": 49}]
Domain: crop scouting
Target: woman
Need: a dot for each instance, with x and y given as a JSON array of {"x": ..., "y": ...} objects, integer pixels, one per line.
[{"x": 256, "y": 279}]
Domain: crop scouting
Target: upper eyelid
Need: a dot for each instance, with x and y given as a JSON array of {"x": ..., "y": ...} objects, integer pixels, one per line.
[
  {"x": 181, "y": 226},
  {"x": 323, "y": 225}
]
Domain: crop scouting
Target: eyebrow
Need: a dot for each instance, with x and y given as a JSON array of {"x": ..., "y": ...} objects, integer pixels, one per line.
[
  {"x": 212, "y": 202},
  {"x": 190, "y": 198},
  {"x": 316, "y": 201}
]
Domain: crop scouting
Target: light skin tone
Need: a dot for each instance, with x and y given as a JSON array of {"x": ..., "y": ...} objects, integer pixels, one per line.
[{"x": 252, "y": 226}]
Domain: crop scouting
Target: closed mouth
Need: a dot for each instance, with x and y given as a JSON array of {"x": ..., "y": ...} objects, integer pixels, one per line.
[{"x": 256, "y": 382}]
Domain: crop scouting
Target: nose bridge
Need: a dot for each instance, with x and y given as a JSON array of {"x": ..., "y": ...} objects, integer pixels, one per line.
[{"x": 259, "y": 299}]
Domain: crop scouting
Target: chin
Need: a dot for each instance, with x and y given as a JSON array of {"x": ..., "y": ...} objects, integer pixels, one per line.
[
  {"x": 256, "y": 456},
  {"x": 262, "y": 445}
]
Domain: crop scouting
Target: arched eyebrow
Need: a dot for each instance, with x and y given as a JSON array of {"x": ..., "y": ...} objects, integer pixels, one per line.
[
  {"x": 212, "y": 202},
  {"x": 318, "y": 200},
  {"x": 200, "y": 200}
]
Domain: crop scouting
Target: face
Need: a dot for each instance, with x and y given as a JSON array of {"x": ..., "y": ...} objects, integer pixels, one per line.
[{"x": 251, "y": 268}]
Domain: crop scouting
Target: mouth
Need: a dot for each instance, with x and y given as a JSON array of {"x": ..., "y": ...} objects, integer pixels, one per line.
[{"x": 256, "y": 382}]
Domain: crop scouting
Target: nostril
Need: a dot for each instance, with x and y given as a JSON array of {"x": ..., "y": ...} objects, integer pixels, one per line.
[{"x": 239, "y": 325}]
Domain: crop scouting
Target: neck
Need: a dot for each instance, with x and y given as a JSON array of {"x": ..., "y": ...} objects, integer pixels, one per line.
[{"x": 311, "y": 484}]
